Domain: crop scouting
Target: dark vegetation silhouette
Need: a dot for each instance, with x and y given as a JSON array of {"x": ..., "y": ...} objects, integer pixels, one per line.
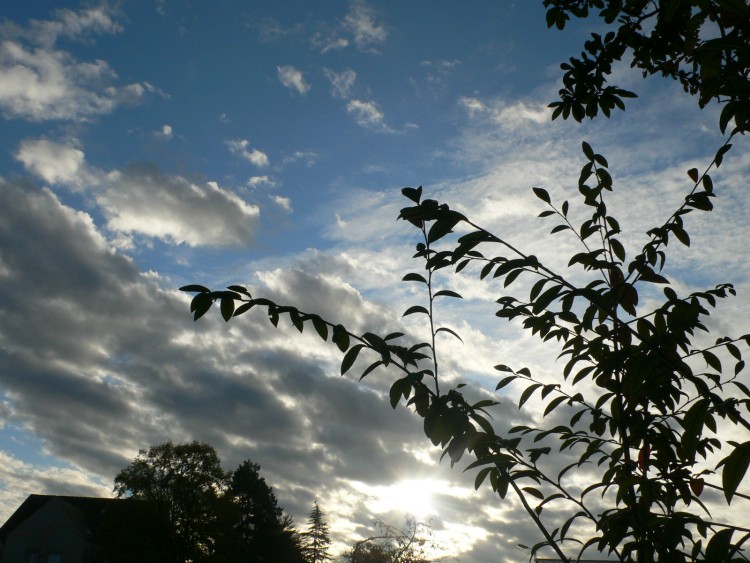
[
  {"x": 390, "y": 544},
  {"x": 193, "y": 510},
  {"x": 651, "y": 404},
  {"x": 316, "y": 540}
]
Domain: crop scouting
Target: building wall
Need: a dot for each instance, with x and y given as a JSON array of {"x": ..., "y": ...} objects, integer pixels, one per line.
[{"x": 51, "y": 530}]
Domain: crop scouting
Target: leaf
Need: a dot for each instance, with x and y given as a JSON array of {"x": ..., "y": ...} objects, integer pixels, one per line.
[
  {"x": 712, "y": 360},
  {"x": 370, "y": 369},
  {"x": 735, "y": 467},
  {"x": 413, "y": 194},
  {"x": 227, "y": 308},
  {"x": 718, "y": 548},
  {"x": 693, "y": 173},
  {"x": 320, "y": 327},
  {"x": 341, "y": 338},
  {"x": 542, "y": 194},
  {"x": 553, "y": 404},
  {"x": 350, "y": 357},
  {"x": 414, "y": 277},
  {"x": 244, "y": 308},
  {"x": 696, "y": 485},
  {"x": 198, "y": 288},
  {"x": 447, "y": 293},
  {"x": 449, "y": 331},
  {"x": 200, "y": 304},
  {"x": 239, "y": 289},
  {"x": 533, "y": 492},
  {"x": 587, "y": 150},
  {"x": 526, "y": 395},
  {"x": 397, "y": 390},
  {"x": 416, "y": 309}
]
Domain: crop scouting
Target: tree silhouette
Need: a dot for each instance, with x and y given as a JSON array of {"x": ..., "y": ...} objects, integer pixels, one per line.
[
  {"x": 266, "y": 533},
  {"x": 316, "y": 540},
  {"x": 185, "y": 482}
]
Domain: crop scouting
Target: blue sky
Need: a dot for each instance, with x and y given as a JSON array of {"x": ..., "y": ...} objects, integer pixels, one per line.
[{"x": 146, "y": 145}]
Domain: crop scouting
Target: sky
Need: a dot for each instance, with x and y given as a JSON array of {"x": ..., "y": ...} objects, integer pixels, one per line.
[{"x": 145, "y": 145}]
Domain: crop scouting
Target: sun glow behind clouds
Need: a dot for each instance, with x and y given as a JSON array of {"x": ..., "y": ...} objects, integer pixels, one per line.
[{"x": 412, "y": 496}]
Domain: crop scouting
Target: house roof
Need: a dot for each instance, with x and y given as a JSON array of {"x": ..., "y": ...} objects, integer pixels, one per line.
[{"x": 86, "y": 512}]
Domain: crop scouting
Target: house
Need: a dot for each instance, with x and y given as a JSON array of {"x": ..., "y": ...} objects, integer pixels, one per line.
[{"x": 68, "y": 529}]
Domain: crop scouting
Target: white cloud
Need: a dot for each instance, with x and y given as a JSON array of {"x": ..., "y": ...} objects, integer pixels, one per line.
[
  {"x": 240, "y": 147},
  {"x": 308, "y": 157},
  {"x": 165, "y": 133},
  {"x": 368, "y": 115},
  {"x": 69, "y": 24},
  {"x": 257, "y": 181},
  {"x": 284, "y": 202},
  {"x": 341, "y": 82},
  {"x": 141, "y": 200},
  {"x": 53, "y": 162},
  {"x": 360, "y": 21},
  {"x": 293, "y": 79},
  {"x": 39, "y": 82},
  {"x": 144, "y": 201}
]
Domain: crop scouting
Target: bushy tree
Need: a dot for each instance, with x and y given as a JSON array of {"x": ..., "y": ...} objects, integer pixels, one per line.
[
  {"x": 185, "y": 482},
  {"x": 202, "y": 512},
  {"x": 316, "y": 540}
]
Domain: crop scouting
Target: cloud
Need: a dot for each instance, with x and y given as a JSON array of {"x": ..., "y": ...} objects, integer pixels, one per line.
[
  {"x": 361, "y": 22},
  {"x": 39, "y": 82},
  {"x": 341, "y": 82},
  {"x": 165, "y": 133},
  {"x": 308, "y": 157},
  {"x": 368, "y": 115},
  {"x": 240, "y": 147},
  {"x": 142, "y": 200},
  {"x": 105, "y": 341},
  {"x": 293, "y": 79},
  {"x": 284, "y": 202},
  {"x": 257, "y": 181},
  {"x": 53, "y": 162}
]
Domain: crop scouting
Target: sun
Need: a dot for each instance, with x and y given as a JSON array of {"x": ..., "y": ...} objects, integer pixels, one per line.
[{"x": 410, "y": 496}]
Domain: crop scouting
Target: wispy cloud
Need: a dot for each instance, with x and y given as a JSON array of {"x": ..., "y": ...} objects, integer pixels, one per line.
[
  {"x": 361, "y": 21},
  {"x": 367, "y": 114},
  {"x": 241, "y": 148},
  {"x": 308, "y": 157},
  {"x": 341, "y": 82},
  {"x": 293, "y": 79}
]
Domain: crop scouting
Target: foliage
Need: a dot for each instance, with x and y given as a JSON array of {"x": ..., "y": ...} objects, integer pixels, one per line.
[
  {"x": 395, "y": 545},
  {"x": 705, "y": 44},
  {"x": 644, "y": 397},
  {"x": 266, "y": 533},
  {"x": 201, "y": 511},
  {"x": 316, "y": 540},
  {"x": 647, "y": 412},
  {"x": 184, "y": 481}
]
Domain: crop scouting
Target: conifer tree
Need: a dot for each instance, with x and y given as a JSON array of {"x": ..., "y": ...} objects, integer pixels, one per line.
[{"x": 316, "y": 540}]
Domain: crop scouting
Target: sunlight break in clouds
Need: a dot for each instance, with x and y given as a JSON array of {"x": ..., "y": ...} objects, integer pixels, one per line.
[{"x": 293, "y": 79}]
